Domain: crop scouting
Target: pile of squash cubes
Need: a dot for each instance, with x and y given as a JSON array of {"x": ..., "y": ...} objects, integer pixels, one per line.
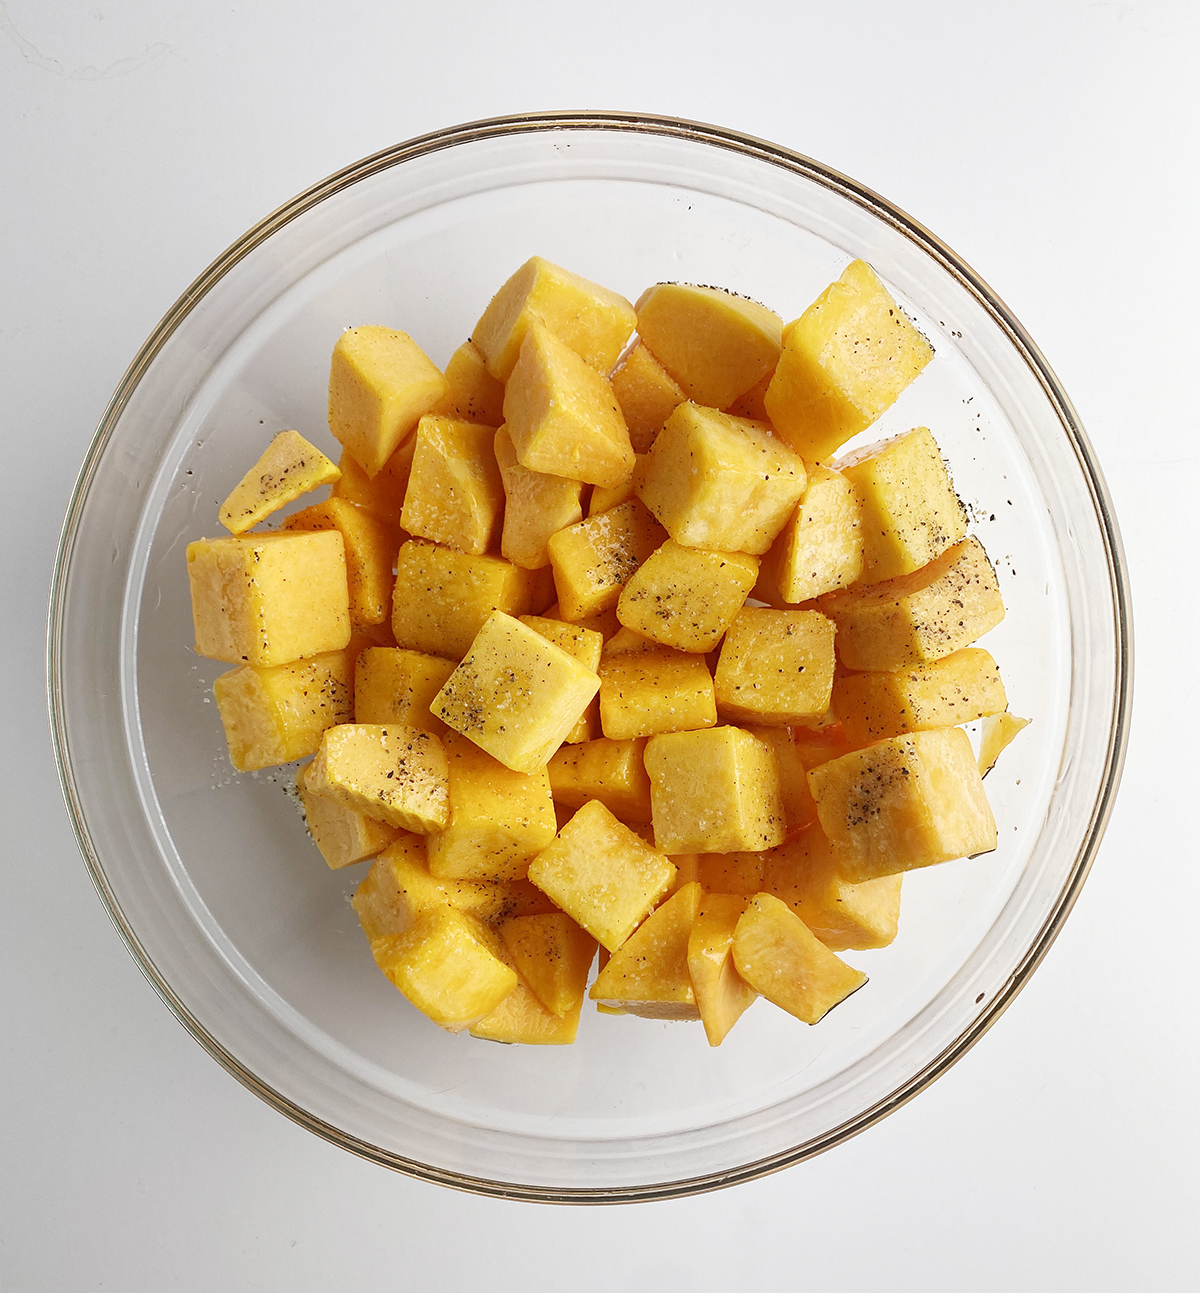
[{"x": 595, "y": 644}]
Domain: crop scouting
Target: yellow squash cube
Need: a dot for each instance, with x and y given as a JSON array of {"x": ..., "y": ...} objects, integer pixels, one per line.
[
  {"x": 910, "y": 801},
  {"x": 562, "y": 415},
  {"x": 648, "y": 974},
  {"x": 643, "y": 693},
  {"x": 522, "y": 1019},
  {"x": 647, "y": 394},
  {"x": 607, "y": 770},
  {"x": 736, "y": 873},
  {"x": 396, "y": 686},
  {"x": 342, "y": 836},
  {"x": 396, "y": 773},
  {"x": 516, "y": 694},
  {"x": 594, "y": 322},
  {"x": 585, "y": 645},
  {"x": 910, "y": 512},
  {"x": 716, "y": 345},
  {"x": 474, "y": 394},
  {"x": 780, "y": 958},
  {"x": 454, "y": 494},
  {"x": 776, "y": 667},
  {"x": 921, "y": 617},
  {"x": 553, "y": 955},
  {"x": 722, "y": 995},
  {"x": 279, "y": 713},
  {"x": 380, "y": 384},
  {"x": 715, "y": 791},
  {"x": 593, "y": 560},
  {"x": 498, "y": 818},
  {"x": 845, "y": 361},
  {"x": 602, "y": 874},
  {"x": 799, "y": 809},
  {"x": 447, "y": 965},
  {"x": 686, "y": 597},
  {"x": 266, "y": 599},
  {"x": 719, "y": 482},
  {"x": 382, "y": 494},
  {"x": 998, "y": 733},
  {"x": 604, "y": 500},
  {"x": 289, "y": 467},
  {"x": 752, "y": 404},
  {"x": 536, "y": 506}
]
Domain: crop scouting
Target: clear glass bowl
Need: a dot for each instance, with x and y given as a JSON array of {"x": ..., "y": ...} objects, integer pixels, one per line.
[{"x": 209, "y": 876}]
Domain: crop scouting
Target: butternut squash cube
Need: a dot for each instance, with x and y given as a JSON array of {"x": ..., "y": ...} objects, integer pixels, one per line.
[
  {"x": 593, "y": 560},
  {"x": 910, "y": 512},
  {"x": 714, "y": 791},
  {"x": 722, "y": 995},
  {"x": 799, "y": 808},
  {"x": 998, "y": 733},
  {"x": 522, "y": 1019},
  {"x": 536, "y": 507},
  {"x": 516, "y": 694},
  {"x": 289, "y": 467},
  {"x": 776, "y": 667},
  {"x": 716, "y": 345},
  {"x": 371, "y": 547},
  {"x": 382, "y": 494},
  {"x": 380, "y": 384},
  {"x": 396, "y": 774},
  {"x": 445, "y": 597},
  {"x": 602, "y": 874},
  {"x": 553, "y": 955},
  {"x": 815, "y": 746},
  {"x": 607, "y": 770},
  {"x": 753, "y": 403},
  {"x": 780, "y": 958},
  {"x": 719, "y": 482},
  {"x": 562, "y": 415},
  {"x": 474, "y": 394},
  {"x": 644, "y": 693},
  {"x": 843, "y": 915},
  {"x": 648, "y": 974},
  {"x": 819, "y": 549},
  {"x": 342, "y": 836},
  {"x": 498, "y": 818},
  {"x": 279, "y": 713},
  {"x": 392, "y": 685},
  {"x": 447, "y": 965},
  {"x": 604, "y": 500},
  {"x": 910, "y": 801},
  {"x": 399, "y": 888},
  {"x": 959, "y": 688},
  {"x": 647, "y": 394},
  {"x": 845, "y": 361},
  {"x": 454, "y": 496},
  {"x": 267, "y": 599},
  {"x": 522, "y": 898},
  {"x": 734, "y": 873},
  {"x": 585, "y": 645},
  {"x": 686, "y": 597},
  {"x": 921, "y": 617},
  {"x": 594, "y": 322}
]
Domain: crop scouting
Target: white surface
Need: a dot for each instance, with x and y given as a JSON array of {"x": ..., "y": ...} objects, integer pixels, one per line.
[{"x": 1053, "y": 146}]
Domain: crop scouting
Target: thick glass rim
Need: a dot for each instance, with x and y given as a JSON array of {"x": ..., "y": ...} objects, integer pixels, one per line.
[{"x": 748, "y": 147}]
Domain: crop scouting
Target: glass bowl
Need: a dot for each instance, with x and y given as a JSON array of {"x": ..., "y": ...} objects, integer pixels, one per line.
[{"x": 208, "y": 875}]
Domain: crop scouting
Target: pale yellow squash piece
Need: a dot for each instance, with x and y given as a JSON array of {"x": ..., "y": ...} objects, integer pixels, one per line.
[
  {"x": 910, "y": 801},
  {"x": 719, "y": 482},
  {"x": 752, "y": 404},
  {"x": 522, "y": 1019},
  {"x": 776, "y": 667},
  {"x": 380, "y": 385},
  {"x": 342, "y": 836},
  {"x": 553, "y": 955},
  {"x": 585, "y": 645},
  {"x": 289, "y": 467},
  {"x": 266, "y": 599},
  {"x": 536, "y": 506},
  {"x": 714, "y": 344},
  {"x": 397, "y": 774},
  {"x": 781, "y": 959},
  {"x": 845, "y": 361},
  {"x": 381, "y": 494},
  {"x": 474, "y": 394},
  {"x": 722, "y": 995},
  {"x": 392, "y": 685},
  {"x": 603, "y": 769},
  {"x": 648, "y": 974},
  {"x": 516, "y": 694},
  {"x": 605, "y": 499},
  {"x": 602, "y": 874},
  {"x": 799, "y": 808},
  {"x": 455, "y": 496},
  {"x": 998, "y": 733},
  {"x": 593, "y": 560},
  {"x": 643, "y": 693},
  {"x": 647, "y": 394}
]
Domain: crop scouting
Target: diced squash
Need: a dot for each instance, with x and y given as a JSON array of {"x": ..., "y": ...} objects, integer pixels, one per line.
[
  {"x": 594, "y": 559},
  {"x": 917, "y": 618},
  {"x": 267, "y": 599},
  {"x": 845, "y": 361},
  {"x": 380, "y": 384},
  {"x": 686, "y": 597},
  {"x": 722, "y": 995},
  {"x": 553, "y": 955},
  {"x": 648, "y": 974},
  {"x": 536, "y": 507},
  {"x": 776, "y": 667},
  {"x": 910, "y": 512},
  {"x": 998, "y": 733},
  {"x": 562, "y": 415},
  {"x": 799, "y": 808},
  {"x": 753, "y": 403},
  {"x": 523, "y": 898},
  {"x": 594, "y": 322},
  {"x": 381, "y": 494},
  {"x": 719, "y": 482},
  {"x": 289, "y": 467},
  {"x": 607, "y": 770},
  {"x": 516, "y": 694},
  {"x": 342, "y": 836},
  {"x": 474, "y": 394},
  {"x": 714, "y": 791},
  {"x": 522, "y": 1019},
  {"x": 396, "y": 773},
  {"x": 585, "y": 645},
  {"x": 602, "y": 874},
  {"x": 910, "y": 801},
  {"x": 647, "y": 394},
  {"x": 498, "y": 818},
  {"x": 736, "y": 873},
  {"x": 780, "y": 958},
  {"x": 819, "y": 745},
  {"x": 396, "y": 686},
  {"x": 716, "y": 345},
  {"x": 644, "y": 693},
  {"x": 605, "y": 499},
  {"x": 454, "y": 496}
]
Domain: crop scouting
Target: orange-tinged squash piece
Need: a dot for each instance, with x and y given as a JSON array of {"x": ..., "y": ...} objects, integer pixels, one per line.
[
  {"x": 553, "y": 955},
  {"x": 289, "y": 467},
  {"x": 722, "y": 995},
  {"x": 776, "y": 667},
  {"x": 342, "y": 836},
  {"x": 454, "y": 496},
  {"x": 474, "y": 394},
  {"x": 522, "y": 1019},
  {"x": 998, "y": 733},
  {"x": 594, "y": 559},
  {"x": 607, "y": 770},
  {"x": 381, "y": 494},
  {"x": 647, "y": 394},
  {"x": 392, "y": 685},
  {"x": 643, "y": 693},
  {"x": 536, "y": 507}
]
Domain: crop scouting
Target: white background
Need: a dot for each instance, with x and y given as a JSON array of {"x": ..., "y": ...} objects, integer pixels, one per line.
[{"x": 1054, "y": 145}]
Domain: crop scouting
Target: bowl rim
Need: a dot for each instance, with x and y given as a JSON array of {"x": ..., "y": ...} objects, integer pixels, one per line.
[{"x": 750, "y": 147}]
